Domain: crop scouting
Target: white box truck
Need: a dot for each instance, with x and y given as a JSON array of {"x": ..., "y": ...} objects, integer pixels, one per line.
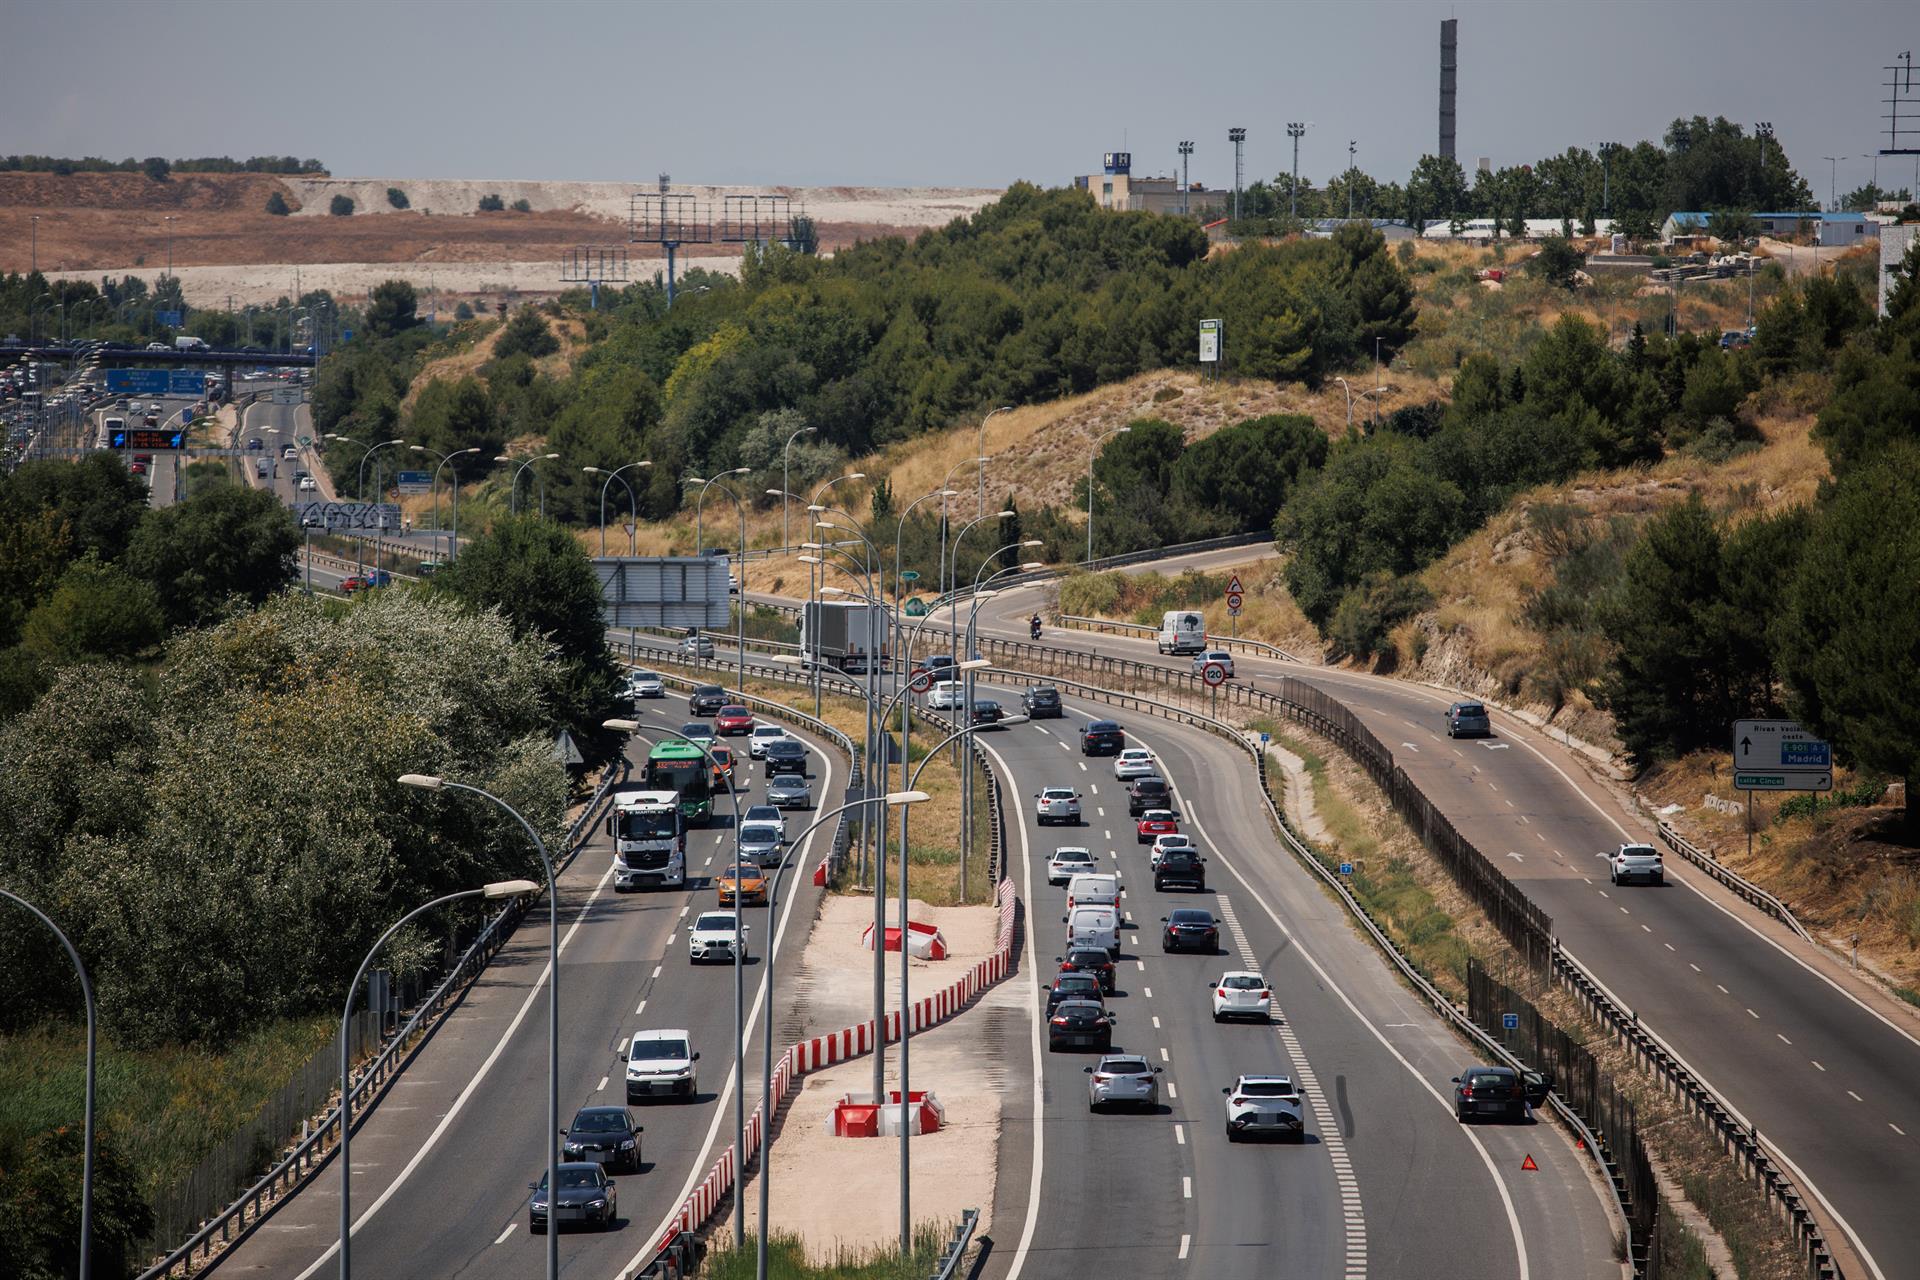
[
  {"x": 1182, "y": 631},
  {"x": 649, "y": 840},
  {"x": 845, "y": 634}
]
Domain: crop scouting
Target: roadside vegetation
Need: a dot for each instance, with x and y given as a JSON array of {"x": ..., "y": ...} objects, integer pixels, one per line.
[{"x": 790, "y": 1258}]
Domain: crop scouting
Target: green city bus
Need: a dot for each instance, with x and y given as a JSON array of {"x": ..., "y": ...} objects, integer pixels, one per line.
[{"x": 679, "y": 766}]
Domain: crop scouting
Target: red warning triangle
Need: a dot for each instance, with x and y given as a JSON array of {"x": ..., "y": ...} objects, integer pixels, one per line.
[{"x": 1529, "y": 1164}]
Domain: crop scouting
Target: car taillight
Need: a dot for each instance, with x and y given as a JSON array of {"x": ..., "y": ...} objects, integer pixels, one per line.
[
  {"x": 1102, "y": 1079},
  {"x": 1059, "y": 1022},
  {"x": 1239, "y": 1102},
  {"x": 1221, "y": 992},
  {"x": 1466, "y": 1091},
  {"x": 1266, "y": 995}
]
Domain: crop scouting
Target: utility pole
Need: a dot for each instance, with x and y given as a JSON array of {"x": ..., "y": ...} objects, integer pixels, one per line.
[
  {"x": 1238, "y": 137},
  {"x": 1833, "y": 182},
  {"x": 1351, "y": 146},
  {"x": 1762, "y": 134},
  {"x": 169, "y": 244},
  {"x": 1606, "y": 181},
  {"x": 1295, "y": 130},
  {"x": 1186, "y": 149},
  {"x": 36, "y": 243}
]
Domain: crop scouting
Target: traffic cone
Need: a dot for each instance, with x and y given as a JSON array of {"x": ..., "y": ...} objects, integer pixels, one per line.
[{"x": 1530, "y": 1165}]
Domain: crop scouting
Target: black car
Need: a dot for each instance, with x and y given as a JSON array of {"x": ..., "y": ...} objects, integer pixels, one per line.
[
  {"x": 1093, "y": 960},
  {"x": 707, "y": 700},
  {"x": 939, "y": 665},
  {"x": 1489, "y": 1091},
  {"x": 603, "y": 1135},
  {"x": 987, "y": 711},
  {"x": 1075, "y": 986},
  {"x": 784, "y": 755},
  {"x": 1189, "y": 929},
  {"x": 1080, "y": 1024},
  {"x": 1150, "y": 791},
  {"x": 586, "y": 1195},
  {"x": 1102, "y": 738},
  {"x": 1181, "y": 867},
  {"x": 1042, "y": 702}
]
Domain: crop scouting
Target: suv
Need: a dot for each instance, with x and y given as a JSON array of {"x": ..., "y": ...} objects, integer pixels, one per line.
[
  {"x": 1149, "y": 792},
  {"x": 937, "y": 665},
  {"x": 1468, "y": 720},
  {"x": 1636, "y": 862},
  {"x": 706, "y": 700},
  {"x": 986, "y": 711},
  {"x": 1058, "y": 804},
  {"x": 1102, "y": 738},
  {"x": 1181, "y": 866},
  {"x": 1264, "y": 1104},
  {"x": 661, "y": 1062},
  {"x": 787, "y": 755},
  {"x": 1042, "y": 702}
]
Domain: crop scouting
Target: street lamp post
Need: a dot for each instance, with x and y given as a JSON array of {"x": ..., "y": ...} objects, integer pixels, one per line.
[
  {"x": 1091, "y": 455},
  {"x": 445, "y": 458},
  {"x": 813, "y": 510},
  {"x": 86, "y": 1134},
  {"x": 429, "y": 782},
  {"x": 500, "y": 889},
  {"x": 513, "y": 493},
  {"x": 786, "y": 483},
  {"x": 953, "y": 574},
  {"x": 740, "y": 581},
  {"x": 633, "y": 501},
  {"x": 966, "y": 696},
  {"x": 361, "y": 483},
  {"x": 1005, "y": 408}
]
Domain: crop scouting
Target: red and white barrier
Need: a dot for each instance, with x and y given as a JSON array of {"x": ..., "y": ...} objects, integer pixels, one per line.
[
  {"x": 852, "y": 1042},
  {"x": 924, "y": 941}
]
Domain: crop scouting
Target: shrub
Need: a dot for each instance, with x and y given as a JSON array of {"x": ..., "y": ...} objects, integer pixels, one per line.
[
  {"x": 526, "y": 334},
  {"x": 492, "y": 203},
  {"x": 277, "y": 205},
  {"x": 522, "y": 206},
  {"x": 156, "y": 168},
  {"x": 340, "y": 206},
  {"x": 397, "y": 198},
  {"x": 1364, "y": 617}
]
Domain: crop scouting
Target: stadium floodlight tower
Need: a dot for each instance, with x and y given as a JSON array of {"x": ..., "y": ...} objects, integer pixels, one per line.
[
  {"x": 593, "y": 265},
  {"x": 1186, "y": 150},
  {"x": 669, "y": 221},
  {"x": 1295, "y": 130},
  {"x": 1238, "y": 137}
]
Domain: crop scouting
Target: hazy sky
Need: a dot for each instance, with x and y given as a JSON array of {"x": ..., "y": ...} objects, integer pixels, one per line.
[{"x": 963, "y": 92}]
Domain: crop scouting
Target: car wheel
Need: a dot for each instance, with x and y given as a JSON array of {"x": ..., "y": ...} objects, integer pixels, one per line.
[
  {"x": 1233, "y": 1135},
  {"x": 536, "y": 1228},
  {"x": 1217, "y": 1016},
  {"x": 1460, "y": 1115}
]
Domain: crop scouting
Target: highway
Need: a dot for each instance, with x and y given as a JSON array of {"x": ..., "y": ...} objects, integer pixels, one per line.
[
  {"x": 1822, "y": 1065},
  {"x": 442, "y": 1165}
]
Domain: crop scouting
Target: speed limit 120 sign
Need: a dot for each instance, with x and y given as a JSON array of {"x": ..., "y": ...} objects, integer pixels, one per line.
[
  {"x": 922, "y": 681},
  {"x": 1214, "y": 674}
]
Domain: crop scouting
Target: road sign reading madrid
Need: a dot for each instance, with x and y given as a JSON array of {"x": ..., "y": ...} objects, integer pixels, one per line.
[{"x": 1779, "y": 755}]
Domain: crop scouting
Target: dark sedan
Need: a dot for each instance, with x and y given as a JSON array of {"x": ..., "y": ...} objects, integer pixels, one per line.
[
  {"x": 1190, "y": 930},
  {"x": 1102, "y": 738},
  {"x": 1093, "y": 960},
  {"x": 987, "y": 711},
  {"x": 604, "y": 1135},
  {"x": 1074, "y": 986},
  {"x": 587, "y": 1194},
  {"x": 785, "y": 755},
  {"x": 1080, "y": 1024},
  {"x": 707, "y": 699},
  {"x": 1489, "y": 1091}
]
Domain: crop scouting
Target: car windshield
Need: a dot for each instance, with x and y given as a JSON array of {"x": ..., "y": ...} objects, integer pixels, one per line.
[
  {"x": 1159, "y": 815},
  {"x": 1470, "y": 709},
  {"x": 1102, "y": 726},
  {"x": 768, "y": 731},
  {"x": 1637, "y": 851},
  {"x": 1073, "y": 855},
  {"x": 645, "y": 677},
  {"x": 599, "y": 1122},
  {"x": 660, "y": 1047},
  {"x": 1080, "y": 1010},
  {"x": 1045, "y": 695},
  {"x": 574, "y": 1178},
  {"x": 709, "y": 691},
  {"x": 1087, "y": 958},
  {"x": 1075, "y": 982},
  {"x": 714, "y": 921},
  {"x": 649, "y": 826},
  {"x": 785, "y": 748},
  {"x": 760, "y": 833},
  {"x": 1126, "y": 1066},
  {"x": 742, "y": 870},
  {"x": 787, "y": 782},
  {"x": 1266, "y": 1089},
  {"x": 1243, "y": 982}
]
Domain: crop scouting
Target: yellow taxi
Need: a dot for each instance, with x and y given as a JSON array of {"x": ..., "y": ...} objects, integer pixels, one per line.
[{"x": 742, "y": 884}]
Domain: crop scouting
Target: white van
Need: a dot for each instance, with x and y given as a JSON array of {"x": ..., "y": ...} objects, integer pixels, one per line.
[
  {"x": 1093, "y": 927},
  {"x": 1094, "y": 889},
  {"x": 1182, "y": 631}
]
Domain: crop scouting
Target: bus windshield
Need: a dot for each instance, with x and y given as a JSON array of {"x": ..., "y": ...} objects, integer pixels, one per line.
[{"x": 681, "y": 769}]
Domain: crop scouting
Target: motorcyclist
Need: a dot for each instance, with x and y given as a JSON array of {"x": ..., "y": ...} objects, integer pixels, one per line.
[{"x": 1033, "y": 626}]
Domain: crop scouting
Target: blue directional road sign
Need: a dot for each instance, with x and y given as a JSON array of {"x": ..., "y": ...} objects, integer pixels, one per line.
[
  {"x": 156, "y": 382},
  {"x": 1346, "y": 868},
  {"x": 171, "y": 319},
  {"x": 1510, "y": 1021}
]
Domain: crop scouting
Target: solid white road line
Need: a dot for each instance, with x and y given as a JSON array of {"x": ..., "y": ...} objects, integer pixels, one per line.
[{"x": 1184, "y": 1242}]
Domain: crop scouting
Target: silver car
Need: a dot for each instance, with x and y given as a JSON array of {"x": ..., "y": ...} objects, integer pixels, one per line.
[
  {"x": 1213, "y": 658},
  {"x": 645, "y": 684},
  {"x": 1123, "y": 1080},
  {"x": 697, "y": 646},
  {"x": 762, "y": 843},
  {"x": 789, "y": 791}
]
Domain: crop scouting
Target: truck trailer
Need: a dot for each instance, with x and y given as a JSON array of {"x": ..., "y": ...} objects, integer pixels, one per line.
[{"x": 847, "y": 635}]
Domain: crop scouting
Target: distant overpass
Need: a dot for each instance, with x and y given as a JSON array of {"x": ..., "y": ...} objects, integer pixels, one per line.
[{"x": 126, "y": 354}]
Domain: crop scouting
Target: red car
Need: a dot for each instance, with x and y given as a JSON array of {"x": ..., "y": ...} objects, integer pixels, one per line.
[
  {"x": 730, "y": 720},
  {"x": 138, "y": 468},
  {"x": 351, "y": 583},
  {"x": 1156, "y": 822}
]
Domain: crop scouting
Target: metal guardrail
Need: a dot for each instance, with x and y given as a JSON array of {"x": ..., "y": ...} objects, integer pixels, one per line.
[
  {"x": 258, "y": 1202},
  {"x": 956, "y": 1249},
  {"x": 1732, "y": 879},
  {"x": 1232, "y": 644},
  {"x": 1518, "y": 918}
]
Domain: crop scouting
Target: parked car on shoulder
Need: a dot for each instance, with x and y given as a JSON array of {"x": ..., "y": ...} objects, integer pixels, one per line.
[{"x": 1489, "y": 1091}]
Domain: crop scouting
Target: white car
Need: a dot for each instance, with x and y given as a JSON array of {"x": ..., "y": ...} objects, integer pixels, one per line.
[
  {"x": 946, "y": 696},
  {"x": 661, "y": 1062},
  {"x": 307, "y": 484},
  {"x": 765, "y": 813},
  {"x": 1636, "y": 862},
  {"x": 763, "y": 734},
  {"x": 1264, "y": 1106},
  {"x": 1069, "y": 861},
  {"x": 645, "y": 684},
  {"x": 711, "y": 937},
  {"x": 1242, "y": 993},
  {"x": 1057, "y": 804},
  {"x": 1173, "y": 840},
  {"x": 1134, "y": 762},
  {"x": 1214, "y": 658},
  {"x": 289, "y": 452}
]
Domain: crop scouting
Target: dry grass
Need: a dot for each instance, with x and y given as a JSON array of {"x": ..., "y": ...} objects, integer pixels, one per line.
[{"x": 1268, "y": 614}]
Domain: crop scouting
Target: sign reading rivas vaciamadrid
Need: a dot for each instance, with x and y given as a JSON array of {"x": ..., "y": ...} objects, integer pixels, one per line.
[{"x": 1779, "y": 755}]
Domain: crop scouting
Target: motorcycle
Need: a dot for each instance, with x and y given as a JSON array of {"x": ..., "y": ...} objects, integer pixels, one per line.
[{"x": 1033, "y": 628}]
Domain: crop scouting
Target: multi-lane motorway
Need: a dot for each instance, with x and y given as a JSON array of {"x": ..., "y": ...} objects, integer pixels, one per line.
[
  {"x": 1823, "y": 1066},
  {"x": 441, "y": 1166}
]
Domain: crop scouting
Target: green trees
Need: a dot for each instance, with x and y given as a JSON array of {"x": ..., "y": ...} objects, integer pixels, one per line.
[
  {"x": 1876, "y": 404},
  {"x": 398, "y": 198},
  {"x": 1436, "y": 189},
  {"x": 95, "y": 611},
  {"x": 492, "y": 203},
  {"x": 277, "y": 205},
  {"x": 341, "y": 206},
  {"x": 526, "y": 333},
  {"x": 224, "y": 543},
  {"x": 451, "y": 416},
  {"x": 157, "y": 168},
  {"x": 1239, "y": 477},
  {"x": 1557, "y": 261},
  {"x": 391, "y": 308}
]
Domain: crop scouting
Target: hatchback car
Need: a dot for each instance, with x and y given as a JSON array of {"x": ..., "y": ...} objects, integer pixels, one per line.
[
  {"x": 947, "y": 695},
  {"x": 1190, "y": 929},
  {"x": 1161, "y": 844},
  {"x": 586, "y": 1195},
  {"x": 1148, "y": 792},
  {"x": 1155, "y": 822},
  {"x": 936, "y": 665},
  {"x": 1489, "y": 1091},
  {"x": 1094, "y": 960},
  {"x": 1102, "y": 738},
  {"x": 640, "y": 684},
  {"x": 1080, "y": 1024},
  {"x": 762, "y": 843},
  {"x": 1042, "y": 702},
  {"x": 987, "y": 711},
  {"x": 1242, "y": 993},
  {"x": 1468, "y": 720},
  {"x": 1183, "y": 866},
  {"x": 763, "y": 734},
  {"x": 789, "y": 791},
  {"x": 1636, "y": 862},
  {"x": 696, "y": 646},
  {"x": 1074, "y": 986},
  {"x": 1123, "y": 1081},
  {"x": 784, "y": 756},
  {"x": 706, "y": 699},
  {"x": 732, "y": 719},
  {"x": 603, "y": 1135},
  {"x": 1057, "y": 804},
  {"x": 1069, "y": 861},
  {"x": 1134, "y": 762},
  {"x": 765, "y": 813},
  {"x": 660, "y": 1063},
  {"x": 741, "y": 884},
  {"x": 1213, "y": 658},
  {"x": 697, "y": 731}
]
